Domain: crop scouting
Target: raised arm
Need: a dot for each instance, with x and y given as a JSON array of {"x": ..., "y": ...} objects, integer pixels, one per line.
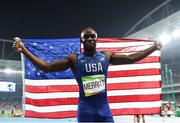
[
  {"x": 59, "y": 65},
  {"x": 128, "y": 59}
]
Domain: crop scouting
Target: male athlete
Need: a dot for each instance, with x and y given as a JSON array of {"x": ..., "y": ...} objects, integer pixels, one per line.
[{"x": 90, "y": 70}]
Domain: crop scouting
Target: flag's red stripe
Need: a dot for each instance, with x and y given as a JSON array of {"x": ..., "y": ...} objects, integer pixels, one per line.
[
  {"x": 150, "y": 59},
  {"x": 62, "y": 114},
  {"x": 74, "y": 101},
  {"x": 126, "y": 73},
  {"x": 105, "y": 40},
  {"x": 52, "y": 102},
  {"x": 118, "y": 50},
  {"x": 75, "y": 88},
  {"x": 132, "y": 111},
  {"x": 51, "y": 88},
  {"x": 134, "y": 85},
  {"x": 70, "y": 114},
  {"x": 129, "y": 49},
  {"x": 134, "y": 98}
]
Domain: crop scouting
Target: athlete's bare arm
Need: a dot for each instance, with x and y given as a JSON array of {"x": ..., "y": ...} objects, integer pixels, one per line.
[
  {"x": 127, "y": 59},
  {"x": 59, "y": 65}
]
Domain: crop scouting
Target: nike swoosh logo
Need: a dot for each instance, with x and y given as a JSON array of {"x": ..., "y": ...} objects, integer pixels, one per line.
[{"x": 83, "y": 60}]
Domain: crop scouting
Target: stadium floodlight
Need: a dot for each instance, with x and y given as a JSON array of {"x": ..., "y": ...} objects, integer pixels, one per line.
[
  {"x": 165, "y": 38},
  {"x": 8, "y": 71},
  {"x": 176, "y": 33}
]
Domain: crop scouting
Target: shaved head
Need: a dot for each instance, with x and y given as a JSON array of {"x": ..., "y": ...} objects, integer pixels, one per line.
[{"x": 88, "y": 30}]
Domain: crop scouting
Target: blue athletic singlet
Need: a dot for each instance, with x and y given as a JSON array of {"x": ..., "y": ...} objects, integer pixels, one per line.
[{"x": 91, "y": 77}]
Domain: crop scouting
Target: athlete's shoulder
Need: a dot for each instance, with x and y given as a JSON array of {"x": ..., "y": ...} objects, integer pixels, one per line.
[
  {"x": 107, "y": 53},
  {"x": 72, "y": 57}
]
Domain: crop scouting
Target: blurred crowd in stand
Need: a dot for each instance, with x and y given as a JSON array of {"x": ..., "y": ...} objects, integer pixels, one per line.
[
  {"x": 167, "y": 110},
  {"x": 10, "y": 108}
]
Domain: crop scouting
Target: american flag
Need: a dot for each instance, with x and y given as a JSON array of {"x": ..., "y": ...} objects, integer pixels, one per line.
[{"x": 132, "y": 88}]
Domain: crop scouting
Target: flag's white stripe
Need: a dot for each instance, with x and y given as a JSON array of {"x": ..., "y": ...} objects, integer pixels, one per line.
[
  {"x": 151, "y": 104},
  {"x": 51, "y": 108},
  {"x": 76, "y": 94},
  {"x": 52, "y": 95},
  {"x": 122, "y": 44},
  {"x": 134, "y": 79},
  {"x": 134, "y": 66},
  {"x": 74, "y": 107},
  {"x": 49, "y": 82},
  {"x": 155, "y": 53},
  {"x": 134, "y": 92}
]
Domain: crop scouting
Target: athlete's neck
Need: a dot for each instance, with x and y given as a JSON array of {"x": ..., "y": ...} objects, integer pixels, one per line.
[{"x": 90, "y": 53}]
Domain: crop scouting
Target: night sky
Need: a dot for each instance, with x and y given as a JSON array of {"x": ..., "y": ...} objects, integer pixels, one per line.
[{"x": 66, "y": 18}]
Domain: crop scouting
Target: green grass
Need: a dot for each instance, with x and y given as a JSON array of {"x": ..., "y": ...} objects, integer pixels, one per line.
[
  {"x": 18, "y": 113},
  {"x": 6, "y": 115}
]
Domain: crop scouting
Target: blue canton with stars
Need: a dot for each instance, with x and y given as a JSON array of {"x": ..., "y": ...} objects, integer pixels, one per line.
[{"x": 50, "y": 50}]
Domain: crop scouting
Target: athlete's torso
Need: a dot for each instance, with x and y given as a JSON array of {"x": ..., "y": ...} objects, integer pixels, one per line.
[{"x": 91, "y": 76}]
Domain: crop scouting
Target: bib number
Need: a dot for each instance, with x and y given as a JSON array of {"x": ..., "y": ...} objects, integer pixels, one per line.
[{"x": 93, "y": 84}]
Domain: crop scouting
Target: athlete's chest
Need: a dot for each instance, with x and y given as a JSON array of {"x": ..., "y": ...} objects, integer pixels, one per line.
[{"x": 97, "y": 64}]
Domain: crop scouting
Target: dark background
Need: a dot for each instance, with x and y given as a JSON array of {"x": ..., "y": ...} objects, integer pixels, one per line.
[{"x": 66, "y": 18}]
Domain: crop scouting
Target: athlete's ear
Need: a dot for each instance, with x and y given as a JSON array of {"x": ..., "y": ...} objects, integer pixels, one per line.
[
  {"x": 81, "y": 40},
  {"x": 81, "y": 37}
]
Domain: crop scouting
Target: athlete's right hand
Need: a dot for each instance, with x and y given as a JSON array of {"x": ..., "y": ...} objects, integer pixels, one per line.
[{"x": 18, "y": 44}]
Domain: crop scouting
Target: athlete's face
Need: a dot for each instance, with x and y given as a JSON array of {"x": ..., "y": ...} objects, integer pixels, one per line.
[{"x": 88, "y": 38}]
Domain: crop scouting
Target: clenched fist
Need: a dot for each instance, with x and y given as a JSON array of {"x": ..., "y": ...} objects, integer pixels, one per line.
[
  {"x": 158, "y": 45},
  {"x": 18, "y": 44}
]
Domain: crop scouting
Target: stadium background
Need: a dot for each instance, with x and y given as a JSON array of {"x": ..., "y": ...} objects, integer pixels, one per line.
[{"x": 160, "y": 23}]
